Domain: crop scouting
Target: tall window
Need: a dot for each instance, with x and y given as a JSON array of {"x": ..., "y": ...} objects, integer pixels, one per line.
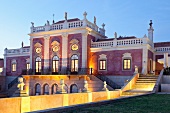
[
  {"x": 28, "y": 66},
  {"x": 38, "y": 64},
  {"x": 55, "y": 63},
  {"x": 14, "y": 65},
  {"x": 102, "y": 64},
  {"x": 126, "y": 64},
  {"x": 74, "y": 63}
]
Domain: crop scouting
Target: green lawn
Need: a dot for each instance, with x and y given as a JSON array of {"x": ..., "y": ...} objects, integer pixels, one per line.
[{"x": 156, "y": 103}]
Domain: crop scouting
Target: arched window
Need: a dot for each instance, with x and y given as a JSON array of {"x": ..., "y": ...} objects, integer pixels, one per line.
[
  {"x": 73, "y": 88},
  {"x": 55, "y": 64},
  {"x": 37, "y": 89},
  {"x": 14, "y": 65},
  {"x": 38, "y": 64},
  {"x": 54, "y": 89},
  {"x": 46, "y": 89},
  {"x": 74, "y": 63}
]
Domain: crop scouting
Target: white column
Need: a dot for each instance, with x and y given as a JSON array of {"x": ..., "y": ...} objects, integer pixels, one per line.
[
  {"x": 145, "y": 61},
  {"x": 84, "y": 50},
  {"x": 46, "y": 52},
  {"x": 31, "y": 46},
  {"x": 165, "y": 60},
  {"x": 5, "y": 54},
  {"x": 64, "y": 50},
  {"x": 154, "y": 63}
]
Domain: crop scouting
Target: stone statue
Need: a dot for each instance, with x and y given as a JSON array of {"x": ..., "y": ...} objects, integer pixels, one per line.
[
  {"x": 32, "y": 23},
  {"x": 103, "y": 25},
  {"x": 94, "y": 20},
  {"x": 62, "y": 85},
  {"x": 136, "y": 69},
  {"x": 48, "y": 23},
  {"x": 65, "y": 15},
  {"x": 86, "y": 87},
  {"x": 105, "y": 87},
  {"x": 150, "y": 23},
  {"x": 20, "y": 83}
]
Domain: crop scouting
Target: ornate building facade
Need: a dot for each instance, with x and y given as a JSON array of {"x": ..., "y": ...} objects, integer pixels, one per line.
[{"x": 74, "y": 46}]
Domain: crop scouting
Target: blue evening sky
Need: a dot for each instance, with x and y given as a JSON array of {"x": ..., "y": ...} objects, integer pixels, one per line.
[{"x": 126, "y": 17}]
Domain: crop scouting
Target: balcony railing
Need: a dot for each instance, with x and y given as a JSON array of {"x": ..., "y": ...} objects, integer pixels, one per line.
[
  {"x": 17, "y": 51},
  {"x": 68, "y": 25},
  {"x": 162, "y": 49},
  {"x": 66, "y": 71},
  {"x": 123, "y": 42}
]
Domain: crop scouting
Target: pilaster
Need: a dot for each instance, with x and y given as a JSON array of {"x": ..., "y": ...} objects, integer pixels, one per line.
[
  {"x": 64, "y": 50},
  {"x": 84, "y": 50},
  {"x": 145, "y": 60},
  {"x": 46, "y": 51},
  {"x": 31, "y": 46}
]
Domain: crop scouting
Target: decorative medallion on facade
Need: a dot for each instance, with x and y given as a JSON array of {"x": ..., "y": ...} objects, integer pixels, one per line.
[
  {"x": 38, "y": 50},
  {"x": 55, "y": 48},
  {"x": 74, "y": 47}
]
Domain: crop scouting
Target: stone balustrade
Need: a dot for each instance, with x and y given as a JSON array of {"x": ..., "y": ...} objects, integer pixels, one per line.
[
  {"x": 162, "y": 49},
  {"x": 68, "y": 25},
  {"x": 123, "y": 42},
  {"x": 17, "y": 51}
]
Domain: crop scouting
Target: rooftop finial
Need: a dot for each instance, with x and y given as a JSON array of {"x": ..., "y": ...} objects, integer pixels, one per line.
[
  {"x": 22, "y": 44},
  {"x": 103, "y": 25},
  {"x": 115, "y": 35},
  {"x": 94, "y": 20},
  {"x": 85, "y": 14},
  {"x": 53, "y": 19},
  {"x": 150, "y": 23},
  {"x": 65, "y": 15}
]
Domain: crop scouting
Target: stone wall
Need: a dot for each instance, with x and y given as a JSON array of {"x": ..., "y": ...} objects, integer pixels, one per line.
[
  {"x": 34, "y": 103},
  {"x": 114, "y": 65},
  {"x": 2, "y": 83}
]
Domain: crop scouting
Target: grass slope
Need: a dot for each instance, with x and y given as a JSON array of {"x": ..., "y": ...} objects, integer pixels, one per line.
[{"x": 145, "y": 104}]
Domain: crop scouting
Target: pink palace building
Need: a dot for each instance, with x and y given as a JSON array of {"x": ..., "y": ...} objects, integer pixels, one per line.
[{"x": 77, "y": 49}]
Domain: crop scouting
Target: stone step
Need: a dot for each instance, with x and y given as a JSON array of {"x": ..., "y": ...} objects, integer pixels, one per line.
[{"x": 146, "y": 82}]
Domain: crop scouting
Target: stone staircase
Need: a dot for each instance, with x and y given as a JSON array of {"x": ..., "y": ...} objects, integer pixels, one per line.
[{"x": 144, "y": 85}]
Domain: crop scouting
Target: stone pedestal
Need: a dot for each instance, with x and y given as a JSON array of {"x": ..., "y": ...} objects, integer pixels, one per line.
[{"x": 20, "y": 93}]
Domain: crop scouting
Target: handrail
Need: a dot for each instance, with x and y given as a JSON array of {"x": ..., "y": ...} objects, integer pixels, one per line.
[
  {"x": 13, "y": 82},
  {"x": 108, "y": 81},
  {"x": 131, "y": 82}
]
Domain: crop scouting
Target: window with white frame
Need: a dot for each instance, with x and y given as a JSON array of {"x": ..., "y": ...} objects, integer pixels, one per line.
[
  {"x": 127, "y": 61},
  {"x": 55, "y": 63},
  {"x": 102, "y": 62},
  {"x": 14, "y": 65},
  {"x": 38, "y": 64},
  {"x": 126, "y": 64},
  {"x": 27, "y": 63}
]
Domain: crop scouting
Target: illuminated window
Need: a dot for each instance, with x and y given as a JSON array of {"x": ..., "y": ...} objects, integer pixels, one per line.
[
  {"x": 14, "y": 65},
  {"x": 126, "y": 64},
  {"x": 126, "y": 61},
  {"x": 38, "y": 64},
  {"x": 74, "y": 63},
  {"x": 102, "y": 64},
  {"x": 55, "y": 63},
  {"x": 28, "y": 66}
]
